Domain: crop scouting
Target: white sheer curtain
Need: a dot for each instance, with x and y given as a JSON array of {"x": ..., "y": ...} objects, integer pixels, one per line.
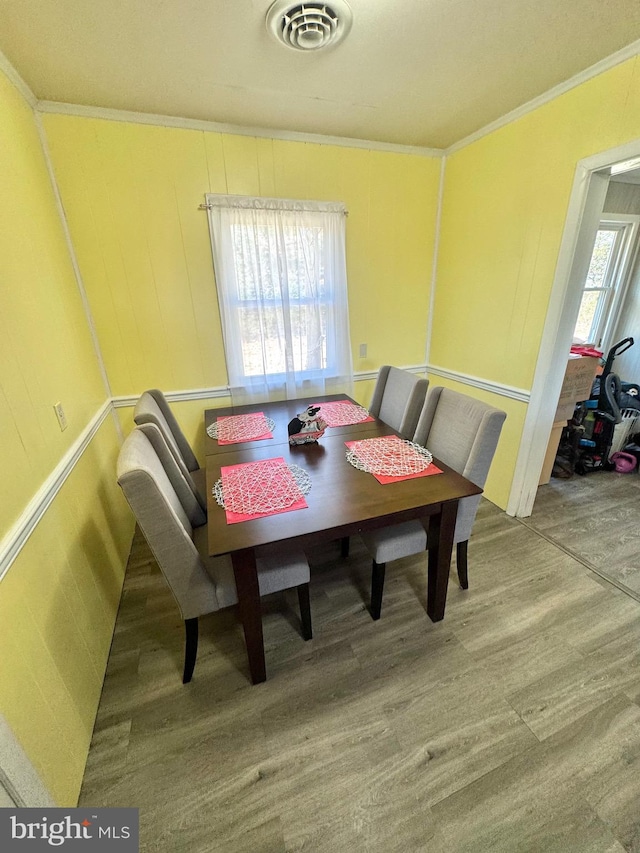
[{"x": 282, "y": 286}]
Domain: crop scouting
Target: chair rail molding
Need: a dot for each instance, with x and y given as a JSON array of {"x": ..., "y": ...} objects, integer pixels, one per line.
[
  {"x": 368, "y": 375},
  {"x": 126, "y": 400},
  {"x": 586, "y": 201},
  {"x": 520, "y": 394},
  {"x": 14, "y": 541}
]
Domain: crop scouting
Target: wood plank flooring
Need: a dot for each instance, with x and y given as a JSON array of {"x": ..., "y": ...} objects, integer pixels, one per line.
[
  {"x": 513, "y": 725},
  {"x": 596, "y": 518}
]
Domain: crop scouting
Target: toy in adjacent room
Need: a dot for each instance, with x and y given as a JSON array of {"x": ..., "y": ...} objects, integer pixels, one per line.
[{"x": 307, "y": 427}]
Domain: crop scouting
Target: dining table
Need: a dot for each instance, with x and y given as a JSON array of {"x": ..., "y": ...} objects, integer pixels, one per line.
[{"x": 341, "y": 501}]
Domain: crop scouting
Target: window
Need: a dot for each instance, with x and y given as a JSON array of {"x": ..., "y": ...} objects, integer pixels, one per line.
[
  {"x": 606, "y": 280},
  {"x": 281, "y": 277}
]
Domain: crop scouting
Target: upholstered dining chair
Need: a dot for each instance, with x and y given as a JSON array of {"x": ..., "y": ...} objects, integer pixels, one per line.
[
  {"x": 463, "y": 433},
  {"x": 152, "y": 407},
  {"x": 192, "y": 500},
  {"x": 200, "y": 584},
  {"x": 398, "y": 398}
]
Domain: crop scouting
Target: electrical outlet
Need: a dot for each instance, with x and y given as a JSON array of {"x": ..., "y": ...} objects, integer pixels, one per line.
[
  {"x": 363, "y": 350},
  {"x": 62, "y": 418}
]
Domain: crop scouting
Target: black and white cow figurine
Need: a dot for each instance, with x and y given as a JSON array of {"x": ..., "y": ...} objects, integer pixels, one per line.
[{"x": 306, "y": 427}]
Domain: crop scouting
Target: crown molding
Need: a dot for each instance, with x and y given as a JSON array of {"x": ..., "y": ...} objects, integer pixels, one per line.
[
  {"x": 59, "y": 108},
  {"x": 600, "y": 67},
  {"x": 12, "y": 75}
]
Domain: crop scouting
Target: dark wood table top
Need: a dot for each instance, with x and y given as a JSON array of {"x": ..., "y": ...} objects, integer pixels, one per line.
[
  {"x": 343, "y": 500},
  {"x": 281, "y": 413}
]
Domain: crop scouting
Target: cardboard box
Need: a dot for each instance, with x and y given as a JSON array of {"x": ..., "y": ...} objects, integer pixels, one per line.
[
  {"x": 550, "y": 456},
  {"x": 578, "y": 379},
  {"x": 564, "y": 413}
]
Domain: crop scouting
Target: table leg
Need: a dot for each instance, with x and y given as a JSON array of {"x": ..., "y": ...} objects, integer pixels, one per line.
[
  {"x": 441, "y": 529},
  {"x": 246, "y": 575}
]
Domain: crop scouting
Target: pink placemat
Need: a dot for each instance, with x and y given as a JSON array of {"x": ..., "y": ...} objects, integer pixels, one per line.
[
  {"x": 233, "y": 429},
  {"x": 391, "y": 459},
  {"x": 343, "y": 412},
  {"x": 258, "y": 489}
]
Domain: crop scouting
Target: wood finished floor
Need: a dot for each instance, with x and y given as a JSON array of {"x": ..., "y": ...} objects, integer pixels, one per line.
[
  {"x": 513, "y": 725},
  {"x": 596, "y": 518}
]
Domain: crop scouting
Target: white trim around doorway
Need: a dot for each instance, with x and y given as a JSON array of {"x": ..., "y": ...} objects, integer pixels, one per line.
[{"x": 585, "y": 208}]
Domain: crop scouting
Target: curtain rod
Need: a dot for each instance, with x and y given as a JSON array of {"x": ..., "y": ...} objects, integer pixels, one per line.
[{"x": 210, "y": 206}]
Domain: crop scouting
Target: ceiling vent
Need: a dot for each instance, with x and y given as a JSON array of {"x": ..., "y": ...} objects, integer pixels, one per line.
[{"x": 309, "y": 26}]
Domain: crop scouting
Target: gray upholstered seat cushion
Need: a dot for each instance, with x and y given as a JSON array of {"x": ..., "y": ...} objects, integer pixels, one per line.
[
  {"x": 398, "y": 399},
  {"x": 277, "y": 569},
  {"x": 398, "y": 540},
  {"x": 200, "y": 584},
  {"x": 463, "y": 433}
]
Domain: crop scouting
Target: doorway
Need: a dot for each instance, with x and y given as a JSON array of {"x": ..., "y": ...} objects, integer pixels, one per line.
[
  {"x": 586, "y": 204},
  {"x": 595, "y": 517}
]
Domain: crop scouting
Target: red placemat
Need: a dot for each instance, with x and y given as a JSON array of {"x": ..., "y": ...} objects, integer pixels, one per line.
[
  {"x": 343, "y": 412},
  {"x": 233, "y": 429},
  {"x": 391, "y": 459},
  {"x": 258, "y": 489}
]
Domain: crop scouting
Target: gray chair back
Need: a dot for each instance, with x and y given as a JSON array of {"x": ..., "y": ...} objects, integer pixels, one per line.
[
  {"x": 152, "y": 407},
  {"x": 462, "y": 432},
  {"x": 398, "y": 399},
  {"x": 165, "y": 524},
  {"x": 180, "y": 478},
  {"x": 168, "y": 513}
]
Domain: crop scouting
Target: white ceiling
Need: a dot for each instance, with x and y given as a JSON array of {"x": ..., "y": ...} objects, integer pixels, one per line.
[{"x": 417, "y": 72}]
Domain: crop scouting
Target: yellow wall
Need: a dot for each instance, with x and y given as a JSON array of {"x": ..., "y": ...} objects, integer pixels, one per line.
[
  {"x": 58, "y": 599},
  {"x": 58, "y": 603},
  {"x": 131, "y": 193},
  {"x": 46, "y": 354},
  {"x": 505, "y": 204}
]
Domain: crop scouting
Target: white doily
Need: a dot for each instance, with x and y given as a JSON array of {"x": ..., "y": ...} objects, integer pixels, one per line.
[
  {"x": 342, "y": 413},
  {"x": 389, "y": 456},
  {"x": 261, "y": 487},
  {"x": 240, "y": 428}
]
